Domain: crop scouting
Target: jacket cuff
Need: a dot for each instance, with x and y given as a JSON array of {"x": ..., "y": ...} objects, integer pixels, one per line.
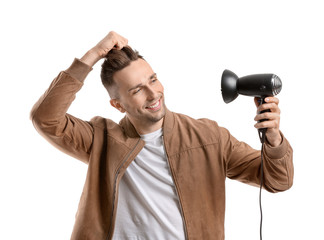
[
  {"x": 277, "y": 152},
  {"x": 78, "y": 70}
]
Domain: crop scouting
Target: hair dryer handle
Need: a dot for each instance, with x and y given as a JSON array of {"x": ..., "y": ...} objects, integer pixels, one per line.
[{"x": 262, "y": 131}]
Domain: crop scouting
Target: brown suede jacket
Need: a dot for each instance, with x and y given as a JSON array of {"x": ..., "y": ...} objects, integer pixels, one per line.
[{"x": 200, "y": 153}]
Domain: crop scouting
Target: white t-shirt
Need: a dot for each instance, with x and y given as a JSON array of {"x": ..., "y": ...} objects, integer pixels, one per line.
[{"x": 148, "y": 206}]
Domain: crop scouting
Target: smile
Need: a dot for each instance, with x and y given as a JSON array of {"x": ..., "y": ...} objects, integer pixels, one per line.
[{"x": 155, "y": 106}]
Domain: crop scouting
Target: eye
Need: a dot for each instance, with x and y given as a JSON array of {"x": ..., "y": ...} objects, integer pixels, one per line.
[{"x": 137, "y": 91}]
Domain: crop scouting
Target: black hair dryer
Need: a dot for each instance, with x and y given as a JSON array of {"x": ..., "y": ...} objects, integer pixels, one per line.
[{"x": 257, "y": 85}]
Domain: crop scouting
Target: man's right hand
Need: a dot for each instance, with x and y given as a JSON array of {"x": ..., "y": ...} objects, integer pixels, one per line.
[{"x": 112, "y": 41}]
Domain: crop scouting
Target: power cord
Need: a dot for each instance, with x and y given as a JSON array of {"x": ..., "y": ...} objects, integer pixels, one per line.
[{"x": 262, "y": 139}]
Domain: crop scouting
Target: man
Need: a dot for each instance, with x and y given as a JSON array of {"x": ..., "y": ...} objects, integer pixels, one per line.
[{"x": 156, "y": 174}]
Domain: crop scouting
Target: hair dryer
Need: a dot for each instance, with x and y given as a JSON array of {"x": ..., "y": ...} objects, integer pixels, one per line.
[{"x": 257, "y": 85}]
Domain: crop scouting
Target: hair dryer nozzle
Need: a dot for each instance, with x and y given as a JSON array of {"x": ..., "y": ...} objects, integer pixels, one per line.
[{"x": 229, "y": 89}]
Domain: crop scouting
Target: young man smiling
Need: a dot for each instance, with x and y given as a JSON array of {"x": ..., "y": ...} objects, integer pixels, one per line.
[
  {"x": 140, "y": 95},
  {"x": 156, "y": 174}
]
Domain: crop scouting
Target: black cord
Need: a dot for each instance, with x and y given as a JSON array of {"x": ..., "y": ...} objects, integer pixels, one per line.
[
  {"x": 260, "y": 203},
  {"x": 262, "y": 139}
]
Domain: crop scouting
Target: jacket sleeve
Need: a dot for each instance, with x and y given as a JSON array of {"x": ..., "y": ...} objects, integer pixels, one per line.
[
  {"x": 49, "y": 115},
  {"x": 244, "y": 163}
]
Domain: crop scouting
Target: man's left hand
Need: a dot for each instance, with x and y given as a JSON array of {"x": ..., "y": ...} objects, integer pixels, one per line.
[{"x": 273, "y": 119}]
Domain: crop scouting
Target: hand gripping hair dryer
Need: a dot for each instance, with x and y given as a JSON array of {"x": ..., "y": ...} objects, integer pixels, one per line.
[{"x": 257, "y": 85}]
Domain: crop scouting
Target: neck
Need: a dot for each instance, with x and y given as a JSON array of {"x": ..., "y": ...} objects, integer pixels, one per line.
[{"x": 143, "y": 128}]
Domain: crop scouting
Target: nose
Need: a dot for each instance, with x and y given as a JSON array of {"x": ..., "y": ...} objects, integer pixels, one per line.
[{"x": 152, "y": 94}]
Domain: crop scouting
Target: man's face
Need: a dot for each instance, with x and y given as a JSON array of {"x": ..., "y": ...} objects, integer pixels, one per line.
[{"x": 140, "y": 94}]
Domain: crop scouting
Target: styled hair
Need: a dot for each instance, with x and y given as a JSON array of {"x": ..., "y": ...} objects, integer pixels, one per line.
[{"x": 115, "y": 61}]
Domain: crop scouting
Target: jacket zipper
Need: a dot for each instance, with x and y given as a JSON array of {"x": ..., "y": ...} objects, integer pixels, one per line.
[
  {"x": 176, "y": 188},
  {"x": 109, "y": 236}
]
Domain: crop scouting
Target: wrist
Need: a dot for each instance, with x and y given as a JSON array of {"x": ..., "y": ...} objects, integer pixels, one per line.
[
  {"x": 91, "y": 57},
  {"x": 274, "y": 140},
  {"x": 78, "y": 70}
]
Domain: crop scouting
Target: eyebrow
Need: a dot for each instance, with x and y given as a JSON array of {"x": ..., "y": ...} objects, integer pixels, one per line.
[{"x": 139, "y": 85}]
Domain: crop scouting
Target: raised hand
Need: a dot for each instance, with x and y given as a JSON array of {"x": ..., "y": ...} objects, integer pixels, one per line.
[{"x": 111, "y": 41}]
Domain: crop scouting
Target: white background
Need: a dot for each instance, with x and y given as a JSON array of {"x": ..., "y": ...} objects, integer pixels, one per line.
[{"x": 188, "y": 44}]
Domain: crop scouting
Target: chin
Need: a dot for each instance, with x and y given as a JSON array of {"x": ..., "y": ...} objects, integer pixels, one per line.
[{"x": 157, "y": 116}]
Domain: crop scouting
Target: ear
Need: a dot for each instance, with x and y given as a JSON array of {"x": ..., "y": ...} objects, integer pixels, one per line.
[{"x": 116, "y": 104}]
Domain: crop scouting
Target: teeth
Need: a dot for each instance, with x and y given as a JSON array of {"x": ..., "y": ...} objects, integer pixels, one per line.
[{"x": 155, "y": 105}]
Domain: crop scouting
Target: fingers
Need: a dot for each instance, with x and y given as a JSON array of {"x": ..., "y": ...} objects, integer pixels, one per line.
[
  {"x": 117, "y": 40},
  {"x": 269, "y": 125},
  {"x": 271, "y": 119},
  {"x": 112, "y": 41},
  {"x": 271, "y": 103},
  {"x": 268, "y": 116},
  {"x": 120, "y": 42},
  {"x": 267, "y": 99}
]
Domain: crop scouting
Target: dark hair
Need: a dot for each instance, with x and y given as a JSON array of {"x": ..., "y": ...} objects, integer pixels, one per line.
[{"x": 116, "y": 60}]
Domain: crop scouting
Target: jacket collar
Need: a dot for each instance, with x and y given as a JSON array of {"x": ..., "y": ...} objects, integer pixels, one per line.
[{"x": 168, "y": 124}]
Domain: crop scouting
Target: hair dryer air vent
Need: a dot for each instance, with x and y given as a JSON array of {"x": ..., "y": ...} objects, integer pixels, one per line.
[{"x": 276, "y": 84}]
